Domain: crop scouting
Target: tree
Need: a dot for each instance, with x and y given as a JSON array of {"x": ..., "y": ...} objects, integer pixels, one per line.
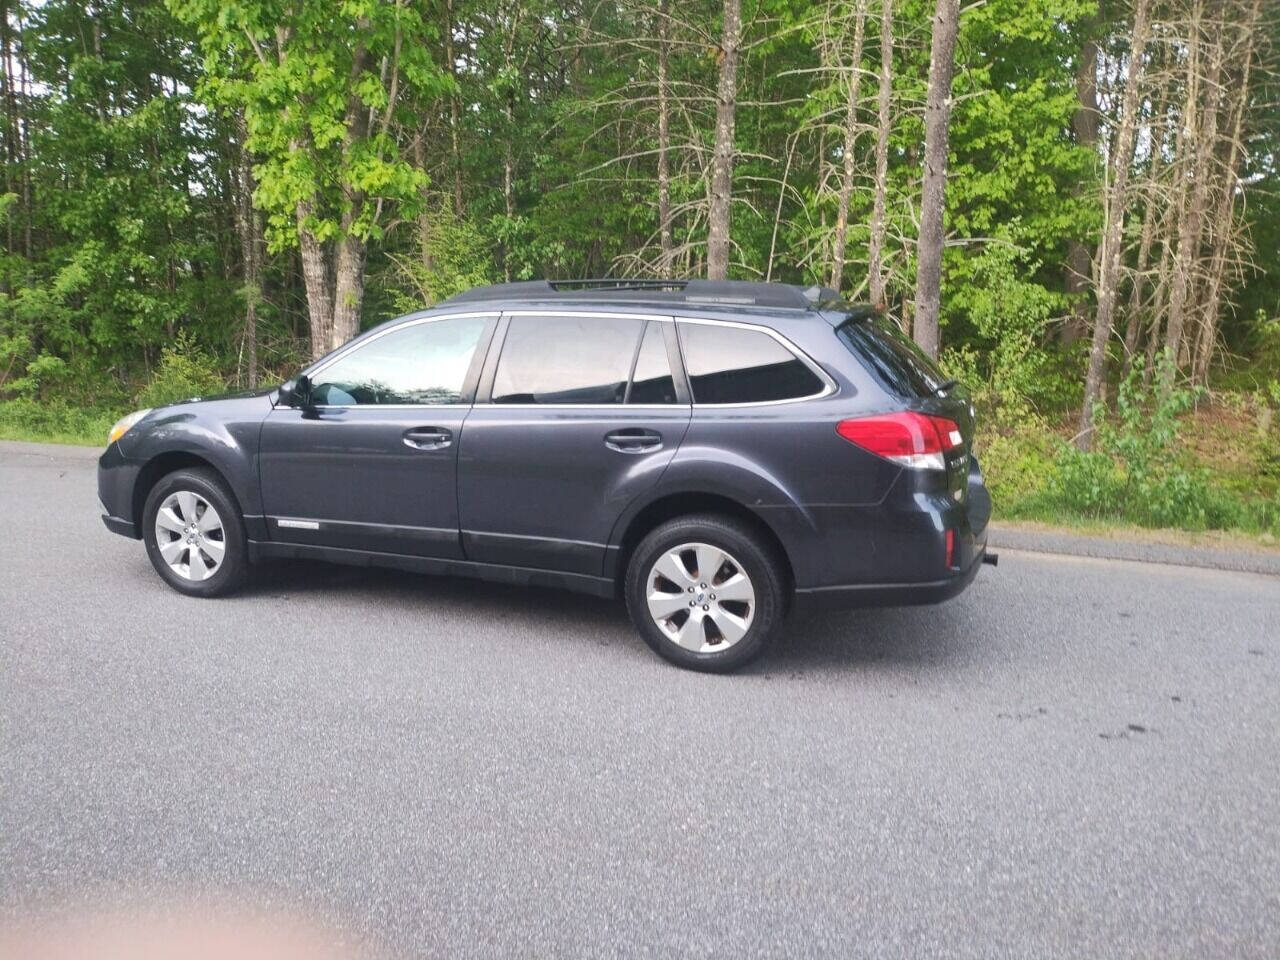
[
  {"x": 884, "y": 98},
  {"x": 720, "y": 212},
  {"x": 942, "y": 48},
  {"x": 1116, "y": 207},
  {"x": 319, "y": 84}
]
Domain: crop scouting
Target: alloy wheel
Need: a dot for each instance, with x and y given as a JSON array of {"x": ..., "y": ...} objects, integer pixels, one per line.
[
  {"x": 700, "y": 596},
  {"x": 190, "y": 536}
]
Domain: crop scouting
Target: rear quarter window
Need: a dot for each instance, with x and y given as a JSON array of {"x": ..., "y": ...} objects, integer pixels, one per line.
[
  {"x": 735, "y": 365},
  {"x": 889, "y": 355}
]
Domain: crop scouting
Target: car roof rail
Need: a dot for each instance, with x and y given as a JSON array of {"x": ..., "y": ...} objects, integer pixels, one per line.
[{"x": 712, "y": 292}]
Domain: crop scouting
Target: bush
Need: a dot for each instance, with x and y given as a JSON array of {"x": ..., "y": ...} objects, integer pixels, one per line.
[
  {"x": 1138, "y": 471},
  {"x": 185, "y": 371}
]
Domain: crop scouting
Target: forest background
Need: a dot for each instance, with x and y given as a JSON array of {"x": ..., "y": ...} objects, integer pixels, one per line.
[{"x": 1073, "y": 204}]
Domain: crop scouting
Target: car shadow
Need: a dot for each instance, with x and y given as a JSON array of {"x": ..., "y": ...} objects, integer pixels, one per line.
[{"x": 822, "y": 642}]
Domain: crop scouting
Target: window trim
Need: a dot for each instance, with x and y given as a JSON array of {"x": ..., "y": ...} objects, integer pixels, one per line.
[
  {"x": 484, "y": 392},
  {"x": 468, "y": 394},
  {"x": 828, "y": 385}
]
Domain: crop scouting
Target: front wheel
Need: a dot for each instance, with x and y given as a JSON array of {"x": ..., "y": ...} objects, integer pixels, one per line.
[
  {"x": 705, "y": 592},
  {"x": 194, "y": 534}
]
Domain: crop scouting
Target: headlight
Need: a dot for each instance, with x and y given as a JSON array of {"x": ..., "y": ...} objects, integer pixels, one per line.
[{"x": 124, "y": 423}]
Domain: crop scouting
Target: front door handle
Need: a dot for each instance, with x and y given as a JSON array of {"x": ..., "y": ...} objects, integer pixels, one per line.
[
  {"x": 633, "y": 440},
  {"x": 428, "y": 438}
]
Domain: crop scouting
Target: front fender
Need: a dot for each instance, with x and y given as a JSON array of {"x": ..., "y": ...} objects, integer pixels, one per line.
[{"x": 224, "y": 433}]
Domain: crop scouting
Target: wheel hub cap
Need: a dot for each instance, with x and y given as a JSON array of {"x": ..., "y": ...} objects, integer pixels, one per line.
[
  {"x": 700, "y": 596},
  {"x": 190, "y": 535}
]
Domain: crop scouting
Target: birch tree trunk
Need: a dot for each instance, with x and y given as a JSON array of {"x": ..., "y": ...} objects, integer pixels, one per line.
[
  {"x": 1202, "y": 131},
  {"x": 937, "y": 116},
  {"x": 850, "y": 141},
  {"x": 665, "y": 241},
  {"x": 1223, "y": 221},
  {"x": 719, "y": 215},
  {"x": 454, "y": 150},
  {"x": 1084, "y": 123},
  {"x": 875, "y": 266},
  {"x": 249, "y": 227},
  {"x": 1113, "y": 228}
]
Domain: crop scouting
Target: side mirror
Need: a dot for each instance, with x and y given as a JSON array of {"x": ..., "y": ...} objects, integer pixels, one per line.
[{"x": 296, "y": 393}]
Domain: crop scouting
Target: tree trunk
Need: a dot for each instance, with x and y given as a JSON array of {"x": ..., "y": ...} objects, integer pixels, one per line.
[
  {"x": 665, "y": 240},
  {"x": 249, "y": 226},
  {"x": 1084, "y": 123},
  {"x": 1225, "y": 216},
  {"x": 850, "y": 141},
  {"x": 937, "y": 116},
  {"x": 1151, "y": 217},
  {"x": 719, "y": 215},
  {"x": 454, "y": 149},
  {"x": 316, "y": 279},
  {"x": 875, "y": 266},
  {"x": 1113, "y": 231},
  {"x": 1201, "y": 135}
]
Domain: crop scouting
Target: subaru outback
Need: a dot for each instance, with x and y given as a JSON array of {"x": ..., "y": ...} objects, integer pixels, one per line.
[{"x": 716, "y": 453}]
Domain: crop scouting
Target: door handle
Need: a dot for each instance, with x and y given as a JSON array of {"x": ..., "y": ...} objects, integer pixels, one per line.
[
  {"x": 428, "y": 438},
  {"x": 633, "y": 440}
]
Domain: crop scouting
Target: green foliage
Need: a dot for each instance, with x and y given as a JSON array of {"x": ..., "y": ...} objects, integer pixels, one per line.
[
  {"x": 1138, "y": 470},
  {"x": 185, "y": 371},
  {"x": 54, "y": 421}
]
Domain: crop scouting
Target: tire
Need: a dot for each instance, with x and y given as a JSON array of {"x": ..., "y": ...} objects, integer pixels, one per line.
[
  {"x": 195, "y": 491},
  {"x": 661, "y": 577}
]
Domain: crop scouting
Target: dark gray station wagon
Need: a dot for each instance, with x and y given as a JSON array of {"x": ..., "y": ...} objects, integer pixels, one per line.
[{"x": 713, "y": 452}]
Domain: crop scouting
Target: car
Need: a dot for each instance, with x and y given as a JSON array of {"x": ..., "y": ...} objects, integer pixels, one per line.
[{"x": 715, "y": 453}]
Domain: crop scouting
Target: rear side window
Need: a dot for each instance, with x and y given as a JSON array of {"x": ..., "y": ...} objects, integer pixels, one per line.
[
  {"x": 734, "y": 365},
  {"x": 566, "y": 360},
  {"x": 652, "y": 381},
  {"x": 891, "y": 357}
]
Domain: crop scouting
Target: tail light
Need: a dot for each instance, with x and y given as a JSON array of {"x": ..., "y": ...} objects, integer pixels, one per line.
[{"x": 907, "y": 438}]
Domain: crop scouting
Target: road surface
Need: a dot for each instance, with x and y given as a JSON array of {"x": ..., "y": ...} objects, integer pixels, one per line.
[{"x": 1077, "y": 757}]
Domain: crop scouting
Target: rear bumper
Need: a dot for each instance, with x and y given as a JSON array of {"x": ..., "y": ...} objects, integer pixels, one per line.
[{"x": 889, "y": 594}]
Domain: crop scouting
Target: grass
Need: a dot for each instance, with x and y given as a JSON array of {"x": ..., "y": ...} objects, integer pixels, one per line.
[{"x": 55, "y": 423}]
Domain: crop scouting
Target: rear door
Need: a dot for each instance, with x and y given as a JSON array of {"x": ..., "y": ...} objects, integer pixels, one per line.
[
  {"x": 371, "y": 464},
  {"x": 577, "y": 414}
]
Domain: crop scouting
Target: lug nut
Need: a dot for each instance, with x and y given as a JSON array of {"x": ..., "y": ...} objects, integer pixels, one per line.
[{"x": 706, "y": 606}]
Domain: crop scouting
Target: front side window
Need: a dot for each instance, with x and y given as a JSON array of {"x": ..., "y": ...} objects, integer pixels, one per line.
[
  {"x": 734, "y": 365},
  {"x": 566, "y": 360},
  {"x": 422, "y": 363}
]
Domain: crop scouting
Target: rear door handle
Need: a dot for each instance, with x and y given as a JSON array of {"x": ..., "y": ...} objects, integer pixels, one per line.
[
  {"x": 428, "y": 438},
  {"x": 633, "y": 440}
]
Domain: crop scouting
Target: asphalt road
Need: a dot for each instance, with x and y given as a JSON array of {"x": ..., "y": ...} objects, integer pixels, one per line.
[{"x": 1077, "y": 757}]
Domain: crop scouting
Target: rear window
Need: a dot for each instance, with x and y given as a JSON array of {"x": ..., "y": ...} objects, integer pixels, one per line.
[
  {"x": 732, "y": 365},
  {"x": 891, "y": 356}
]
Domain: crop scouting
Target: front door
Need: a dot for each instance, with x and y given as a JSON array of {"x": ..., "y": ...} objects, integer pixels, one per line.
[
  {"x": 371, "y": 463},
  {"x": 582, "y": 416}
]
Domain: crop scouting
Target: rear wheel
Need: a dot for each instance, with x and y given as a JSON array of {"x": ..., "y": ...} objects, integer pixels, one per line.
[
  {"x": 705, "y": 592},
  {"x": 194, "y": 534}
]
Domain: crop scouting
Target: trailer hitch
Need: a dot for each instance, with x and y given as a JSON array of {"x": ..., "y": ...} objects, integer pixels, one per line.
[{"x": 991, "y": 558}]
